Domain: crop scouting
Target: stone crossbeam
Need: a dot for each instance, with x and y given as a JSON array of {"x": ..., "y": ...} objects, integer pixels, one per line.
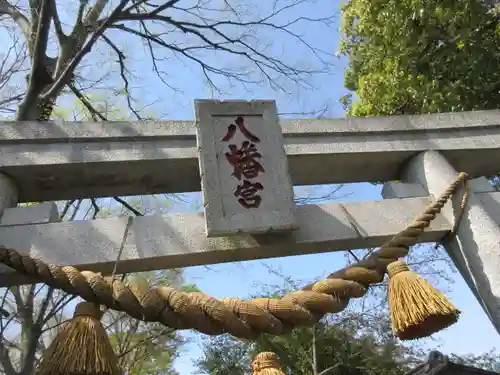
[
  {"x": 179, "y": 240},
  {"x": 55, "y": 161}
]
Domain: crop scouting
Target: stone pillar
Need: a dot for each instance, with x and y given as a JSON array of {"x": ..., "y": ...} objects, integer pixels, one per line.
[
  {"x": 475, "y": 249},
  {"x": 9, "y": 193}
]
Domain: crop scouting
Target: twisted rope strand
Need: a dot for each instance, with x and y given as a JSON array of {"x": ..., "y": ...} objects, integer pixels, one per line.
[{"x": 243, "y": 319}]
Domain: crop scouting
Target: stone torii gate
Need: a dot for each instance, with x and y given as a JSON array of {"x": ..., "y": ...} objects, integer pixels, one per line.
[{"x": 248, "y": 161}]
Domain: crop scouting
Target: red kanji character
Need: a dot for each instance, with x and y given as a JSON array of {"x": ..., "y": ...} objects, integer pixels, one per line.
[
  {"x": 247, "y": 193},
  {"x": 244, "y": 160},
  {"x": 231, "y": 131}
]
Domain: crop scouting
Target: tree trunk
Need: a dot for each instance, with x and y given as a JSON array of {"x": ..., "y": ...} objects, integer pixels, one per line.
[
  {"x": 36, "y": 110},
  {"x": 314, "y": 353}
]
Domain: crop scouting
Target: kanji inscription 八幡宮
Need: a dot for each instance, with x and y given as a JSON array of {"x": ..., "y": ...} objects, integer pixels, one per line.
[
  {"x": 245, "y": 161},
  {"x": 245, "y": 182}
]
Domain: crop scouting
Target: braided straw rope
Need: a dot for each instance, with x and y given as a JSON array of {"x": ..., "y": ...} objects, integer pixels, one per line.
[{"x": 243, "y": 319}]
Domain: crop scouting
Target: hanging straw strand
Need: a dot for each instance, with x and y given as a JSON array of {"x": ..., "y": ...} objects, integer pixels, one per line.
[{"x": 266, "y": 363}]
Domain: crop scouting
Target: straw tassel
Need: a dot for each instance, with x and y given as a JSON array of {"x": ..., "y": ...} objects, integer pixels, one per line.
[
  {"x": 417, "y": 309},
  {"x": 266, "y": 363},
  {"x": 81, "y": 347}
]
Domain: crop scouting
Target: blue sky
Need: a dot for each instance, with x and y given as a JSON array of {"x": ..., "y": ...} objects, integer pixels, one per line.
[{"x": 474, "y": 333}]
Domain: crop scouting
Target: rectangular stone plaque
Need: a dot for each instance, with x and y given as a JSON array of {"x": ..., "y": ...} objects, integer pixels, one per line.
[{"x": 243, "y": 166}]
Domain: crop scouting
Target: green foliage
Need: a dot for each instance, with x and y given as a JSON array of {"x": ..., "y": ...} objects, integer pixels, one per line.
[
  {"x": 338, "y": 350},
  {"x": 416, "y": 56},
  {"x": 148, "y": 351},
  {"x": 112, "y": 107},
  {"x": 28, "y": 204},
  {"x": 356, "y": 341},
  {"x": 225, "y": 355},
  {"x": 347, "y": 343}
]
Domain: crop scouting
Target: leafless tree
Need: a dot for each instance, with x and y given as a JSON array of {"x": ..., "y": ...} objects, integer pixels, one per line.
[
  {"x": 48, "y": 51},
  {"x": 12, "y": 63},
  {"x": 226, "y": 40}
]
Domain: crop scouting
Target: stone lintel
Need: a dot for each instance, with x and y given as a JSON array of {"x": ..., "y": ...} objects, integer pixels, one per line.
[
  {"x": 56, "y": 161},
  {"x": 179, "y": 240}
]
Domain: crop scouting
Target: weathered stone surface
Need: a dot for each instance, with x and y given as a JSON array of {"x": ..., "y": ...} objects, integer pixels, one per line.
[
  {"x": 45, "y": 212},
  {"x": 75, "y": 160},
  {"x": 9, "y": 192},
  {"x": 398, "y": 189},
  {"x": 169, "y": 241},
  {"x": 243, "y": 167}
]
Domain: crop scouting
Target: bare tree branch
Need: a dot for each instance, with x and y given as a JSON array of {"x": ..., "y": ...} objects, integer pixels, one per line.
[
  {"x": 93, "y": 112},
  {"x": 225, "y": 31},
  {"x": 39, "y": 76},
  {"x": 131, "y": 348},
  {"x": 44, "y": 306},
  {"x": 123, "y": 69},
  {"x": 71, "y": 66},
  {"x": 128, "y": 206},
  {"x": 57, "y": 23},
  {"x": 17, "y": 16},
  {"x": 11, "y": 65},
  {"x": 95, "y": 12},
  {"x": 5, "y": 359}
]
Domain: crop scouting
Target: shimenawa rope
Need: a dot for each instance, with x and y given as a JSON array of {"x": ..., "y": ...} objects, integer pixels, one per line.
[{"x": 243, "y": 319}]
